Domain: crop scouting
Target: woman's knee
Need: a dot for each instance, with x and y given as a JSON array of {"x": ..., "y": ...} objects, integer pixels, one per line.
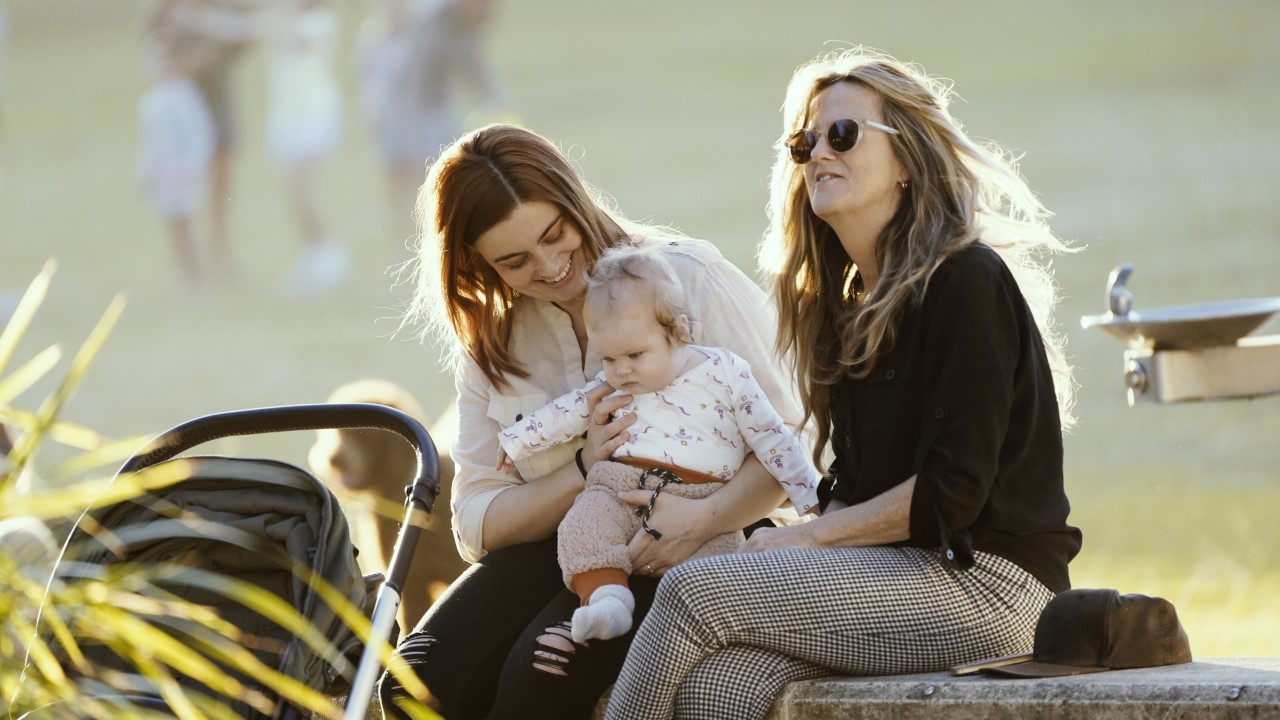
[
  {"x": 678, "y": 585},
  {"x": 548, "y": 676},
  {"x": 739, "y": 681},
  {"x": 719, "y": 688},
  {"x": 410, "y": 660},
  {"x": 554, "y": 651},
  {"x": 693, "y": 587}
]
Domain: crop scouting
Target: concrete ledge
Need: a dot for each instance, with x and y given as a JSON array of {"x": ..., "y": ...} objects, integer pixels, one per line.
[{"x": 1209, "y": 689}]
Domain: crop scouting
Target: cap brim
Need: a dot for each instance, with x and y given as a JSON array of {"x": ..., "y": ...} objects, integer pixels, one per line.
[
  {"x": 1041, "y": 670},
  {"x": 976, "y": 666}
]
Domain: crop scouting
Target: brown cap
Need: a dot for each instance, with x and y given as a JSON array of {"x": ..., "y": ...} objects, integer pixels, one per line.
[{"x": 1087, "y": 631}]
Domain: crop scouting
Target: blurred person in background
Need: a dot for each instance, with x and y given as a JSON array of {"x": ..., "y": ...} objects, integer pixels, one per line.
[
  {"x": 4, "y": 36},
  {"x": 905, "y": 260},
  {"x": 508, "y": 232},
  {"x": 214, "y": 79},
  {"x": 177, "y": 136},
  {"x": 4, "y": 48},
  {"x": 304, "y": 114},
  {"x": 417, "y": 60}
]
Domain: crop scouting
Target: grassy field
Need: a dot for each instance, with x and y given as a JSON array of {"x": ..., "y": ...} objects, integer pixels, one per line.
[{"x": 1151, "y": 127}]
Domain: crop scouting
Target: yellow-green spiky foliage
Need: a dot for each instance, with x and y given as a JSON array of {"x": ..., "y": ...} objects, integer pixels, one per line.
[{"x": 47, "y": 618}]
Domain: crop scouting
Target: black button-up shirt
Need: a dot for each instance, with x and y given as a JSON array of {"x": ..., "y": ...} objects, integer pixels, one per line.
[{"x": 965, "y": 401}]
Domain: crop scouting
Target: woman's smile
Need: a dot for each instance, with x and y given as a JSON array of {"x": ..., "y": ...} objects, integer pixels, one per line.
[
  {"x": 563, "y": 275},
  {"x": 537, "y": 251}
]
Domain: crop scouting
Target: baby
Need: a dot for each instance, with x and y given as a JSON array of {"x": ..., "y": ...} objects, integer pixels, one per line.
[{"x": 699, "y": 411}]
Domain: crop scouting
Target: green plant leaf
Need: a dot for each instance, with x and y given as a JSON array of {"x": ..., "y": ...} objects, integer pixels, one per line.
[
  {"x": 65, "y": 432},
  {"x": 22, "y": 315},
  {"x": 21, "y": 380},
  {"x": 91, "y": 494},
  {"x": 25, "y": 448}
]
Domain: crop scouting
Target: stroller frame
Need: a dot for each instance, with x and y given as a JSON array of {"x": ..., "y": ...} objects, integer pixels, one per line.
[{"x": 420, "y": 496}]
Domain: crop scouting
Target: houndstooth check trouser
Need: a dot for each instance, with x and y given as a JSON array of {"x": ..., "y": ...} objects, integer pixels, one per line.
[{"x": 726, "y": 633}]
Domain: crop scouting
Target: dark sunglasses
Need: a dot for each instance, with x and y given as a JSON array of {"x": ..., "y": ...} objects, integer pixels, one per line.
[{"x": 841, "y": 136}]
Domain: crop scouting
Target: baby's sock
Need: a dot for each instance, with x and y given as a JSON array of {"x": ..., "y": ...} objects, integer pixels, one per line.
[{"x": 606, "y": 615}]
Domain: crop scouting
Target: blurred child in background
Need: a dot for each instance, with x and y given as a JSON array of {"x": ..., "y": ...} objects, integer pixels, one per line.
[
  {"x": 304, "y": 113},
  {"x": 176, "y": 137},
  {"x": 4, "y": 47},
  {"x": 214, "y": 78},
  {"x": 304, "y": 127},
  {"x": 415, "y": 57}
]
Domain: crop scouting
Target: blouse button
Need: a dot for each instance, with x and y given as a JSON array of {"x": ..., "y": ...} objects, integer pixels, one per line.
[
  {"x": 889, "y": 375},
  {"x": 519, "y": 417},
  {"x": 938, "y": 413},
  {"x": 951, "y": 554}
]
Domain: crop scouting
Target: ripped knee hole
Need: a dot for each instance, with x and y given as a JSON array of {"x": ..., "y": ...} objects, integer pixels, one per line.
[{"x": 555, "y": 648}]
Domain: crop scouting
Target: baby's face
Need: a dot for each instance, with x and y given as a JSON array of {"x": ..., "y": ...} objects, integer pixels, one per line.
[{"x": 637, "y": 354}]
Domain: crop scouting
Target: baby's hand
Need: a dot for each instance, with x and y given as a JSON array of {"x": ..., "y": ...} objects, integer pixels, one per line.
[{"x": 504, "y": 462}]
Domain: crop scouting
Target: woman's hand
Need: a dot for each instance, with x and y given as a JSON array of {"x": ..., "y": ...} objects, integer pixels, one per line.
[
  {"x": 882, "y": 520},
  {"x": 779, "y": 538},
  {"x": 604, "y": 436},
  {"x": 681, "y": 522},
  {"x": 504, "y": 462},
  {"x": 686, "y": 524}
]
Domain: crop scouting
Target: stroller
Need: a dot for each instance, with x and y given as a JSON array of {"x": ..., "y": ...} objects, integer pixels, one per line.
[{"x": 268, "y": 525}]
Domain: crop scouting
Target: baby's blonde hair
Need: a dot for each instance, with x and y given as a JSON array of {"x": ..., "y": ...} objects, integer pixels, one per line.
[{"x": 624, "y": 268}]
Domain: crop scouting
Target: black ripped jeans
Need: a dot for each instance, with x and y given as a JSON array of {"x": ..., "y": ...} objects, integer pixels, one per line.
[{"x": 475, "y": 649}]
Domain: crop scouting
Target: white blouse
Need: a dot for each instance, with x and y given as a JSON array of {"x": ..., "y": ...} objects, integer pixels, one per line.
[{"x": 727, "y": 309}]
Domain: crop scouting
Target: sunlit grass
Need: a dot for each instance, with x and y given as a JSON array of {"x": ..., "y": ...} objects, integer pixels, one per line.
[{"x": 1214, "y": 553}]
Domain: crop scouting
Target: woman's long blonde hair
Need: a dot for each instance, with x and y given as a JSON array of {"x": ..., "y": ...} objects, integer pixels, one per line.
[{"x": 958, "y": 193}]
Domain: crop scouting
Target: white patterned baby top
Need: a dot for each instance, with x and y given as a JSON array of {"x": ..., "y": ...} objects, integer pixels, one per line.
[{"x": 706, "y": 420}]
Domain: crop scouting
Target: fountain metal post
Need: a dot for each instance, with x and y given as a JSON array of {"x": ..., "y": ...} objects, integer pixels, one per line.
[{"x": 1191, "y": 352}]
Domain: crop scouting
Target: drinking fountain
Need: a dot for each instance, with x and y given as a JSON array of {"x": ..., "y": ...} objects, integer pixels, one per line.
[{"x": 1191, "y": 352}]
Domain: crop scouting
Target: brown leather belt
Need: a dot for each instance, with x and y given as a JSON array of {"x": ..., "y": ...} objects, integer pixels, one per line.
[{"x": 685, "y": 474}]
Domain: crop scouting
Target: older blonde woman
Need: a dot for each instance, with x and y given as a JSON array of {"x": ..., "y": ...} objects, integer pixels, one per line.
[{"x": 903, "y": 260}]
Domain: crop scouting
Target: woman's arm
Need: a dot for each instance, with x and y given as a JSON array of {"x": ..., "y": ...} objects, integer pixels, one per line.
[
  {"x": 477, "y": 485},
  {"x": 532, "y": 510},
  {"x": 882, "y": 520}
]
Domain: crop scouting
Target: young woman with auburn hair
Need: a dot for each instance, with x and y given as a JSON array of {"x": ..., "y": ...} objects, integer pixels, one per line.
[{"x": 508, "y": 230}]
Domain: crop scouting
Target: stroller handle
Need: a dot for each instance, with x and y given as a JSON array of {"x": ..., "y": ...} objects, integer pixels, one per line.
[
  {"x": 420, "y": 496},
  {"x": 288, "y": 418}
]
